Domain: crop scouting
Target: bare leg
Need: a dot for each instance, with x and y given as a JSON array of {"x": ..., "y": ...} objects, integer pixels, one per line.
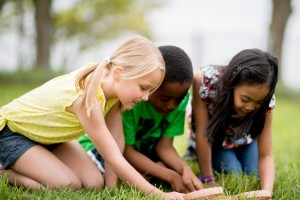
[
  {"x": 44, "y": 167},
  {"x": 75, "y": 157},
  {"x": 17, "y": 179},
  {"x": 67, "y": 166},
  {"x": 114, "y": 124}
]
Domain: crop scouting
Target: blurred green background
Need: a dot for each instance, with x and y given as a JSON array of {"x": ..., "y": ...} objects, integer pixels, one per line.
[{"x": 41, "y": 39}]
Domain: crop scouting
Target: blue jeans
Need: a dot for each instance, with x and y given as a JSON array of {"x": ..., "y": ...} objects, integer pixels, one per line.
[{"x": 240, "y": 159}]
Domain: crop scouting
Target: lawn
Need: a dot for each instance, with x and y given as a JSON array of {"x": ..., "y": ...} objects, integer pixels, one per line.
[{"x": 286, "y": 149}]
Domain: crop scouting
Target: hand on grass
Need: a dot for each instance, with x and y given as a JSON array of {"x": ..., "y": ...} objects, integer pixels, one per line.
[
  {"x": 177, "y": 183},
  {"x": 191, "y": 181}
]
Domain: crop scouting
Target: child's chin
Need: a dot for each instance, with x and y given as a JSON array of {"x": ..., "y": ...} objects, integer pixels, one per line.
[{"x": 129, "y": 107}]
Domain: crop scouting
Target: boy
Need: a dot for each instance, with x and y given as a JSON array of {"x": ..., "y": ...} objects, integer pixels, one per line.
[{"x": 150, "y": 127}]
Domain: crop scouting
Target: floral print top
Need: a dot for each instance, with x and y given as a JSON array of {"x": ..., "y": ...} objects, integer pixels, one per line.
[{"x": 209, "y": 90}]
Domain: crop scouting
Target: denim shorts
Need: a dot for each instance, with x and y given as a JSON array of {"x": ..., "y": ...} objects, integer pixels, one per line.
[{"x": 14, "y": 145}]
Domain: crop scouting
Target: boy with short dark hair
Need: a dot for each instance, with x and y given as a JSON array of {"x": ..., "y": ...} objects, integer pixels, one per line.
[{"x": 151, "y": 126}]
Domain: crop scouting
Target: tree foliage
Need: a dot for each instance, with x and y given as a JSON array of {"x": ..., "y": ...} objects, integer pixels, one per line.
[
  {"x": 88, "y": 22},
  {"x": 93, "y": 21}
]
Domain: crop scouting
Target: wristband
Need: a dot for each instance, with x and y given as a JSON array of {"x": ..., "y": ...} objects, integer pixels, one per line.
[{"x": 206, "y": 179}]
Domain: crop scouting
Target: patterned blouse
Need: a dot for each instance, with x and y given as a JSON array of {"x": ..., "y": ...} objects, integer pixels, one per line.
[{"x": 209, "y": 91}]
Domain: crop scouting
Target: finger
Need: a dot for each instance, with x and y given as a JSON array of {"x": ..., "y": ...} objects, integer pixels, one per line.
[
  {"x": 183, "y": 190},
  {"x": 198, "y": 185},
  {"x": 190, "y": 186}
]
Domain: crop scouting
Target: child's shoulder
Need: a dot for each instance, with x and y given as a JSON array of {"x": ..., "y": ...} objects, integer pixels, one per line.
[
  {"x": 211, "y": 70},
  {"x": 209, "y": 74}
]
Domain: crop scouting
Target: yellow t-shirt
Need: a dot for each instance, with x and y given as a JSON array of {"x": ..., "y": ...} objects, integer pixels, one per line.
[{"x": 41, "y": 113}]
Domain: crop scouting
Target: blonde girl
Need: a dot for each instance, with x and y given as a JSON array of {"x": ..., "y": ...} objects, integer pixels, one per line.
[{"x": 38, "y": 130}]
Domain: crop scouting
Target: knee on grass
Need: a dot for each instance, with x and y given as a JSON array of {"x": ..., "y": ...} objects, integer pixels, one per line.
[
  {"x": 97, "y": 182},
  {"x": 73, "y": 183}
]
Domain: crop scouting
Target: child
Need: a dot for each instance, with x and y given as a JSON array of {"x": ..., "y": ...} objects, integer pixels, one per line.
[
  {"x": 232, "y": 111},
  {"x": 151, "y": 126},
  {"x": 38, "y": 129}
]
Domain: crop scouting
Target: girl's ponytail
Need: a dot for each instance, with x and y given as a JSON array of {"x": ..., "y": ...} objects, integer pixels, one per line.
[
  {"x": 138, "y": 56},
  {"x": 89, "y": 88}
]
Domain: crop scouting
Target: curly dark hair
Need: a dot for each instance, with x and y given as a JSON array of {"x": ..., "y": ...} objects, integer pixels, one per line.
[{"x": 178, "y": 64}]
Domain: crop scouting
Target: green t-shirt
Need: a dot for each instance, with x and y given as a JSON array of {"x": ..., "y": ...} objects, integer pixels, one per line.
[{"x": 144, "y": 126}]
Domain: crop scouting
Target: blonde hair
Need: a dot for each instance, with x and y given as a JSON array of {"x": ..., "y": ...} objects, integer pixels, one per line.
[{"x": 138, "y": 57}]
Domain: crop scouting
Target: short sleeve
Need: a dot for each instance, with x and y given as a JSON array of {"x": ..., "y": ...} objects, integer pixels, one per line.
[{"x": 211, "y": 76}]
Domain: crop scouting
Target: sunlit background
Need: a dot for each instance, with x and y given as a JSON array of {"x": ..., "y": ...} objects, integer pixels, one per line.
[
  {"x": 210, "y": 31},
  {"x": 40, "y": 39}
]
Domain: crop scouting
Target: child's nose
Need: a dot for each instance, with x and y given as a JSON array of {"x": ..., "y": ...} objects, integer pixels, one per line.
[
  {"x": 171, "y": 105},
  {"x": 250, "y": 107},
  {"x": 145, "y": 97}
]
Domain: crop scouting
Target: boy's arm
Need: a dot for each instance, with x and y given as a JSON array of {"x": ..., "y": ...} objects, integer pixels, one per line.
[
  {"x": 170, "y": 157},
  {"x": 266, "y": 167},
  {"x": 147, "y": 167}
]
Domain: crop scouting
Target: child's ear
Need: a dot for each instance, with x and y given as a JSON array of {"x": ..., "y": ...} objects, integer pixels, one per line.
[{"x": 117, "y": 73}]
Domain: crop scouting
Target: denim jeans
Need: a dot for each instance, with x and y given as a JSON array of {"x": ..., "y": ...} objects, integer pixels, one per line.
[{"x": 241, "y": 159}]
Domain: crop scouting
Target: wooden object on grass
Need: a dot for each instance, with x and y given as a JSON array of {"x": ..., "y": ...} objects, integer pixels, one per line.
[
  {"x": 208, "y": 193},
  {"x": 257, "y": 194}
]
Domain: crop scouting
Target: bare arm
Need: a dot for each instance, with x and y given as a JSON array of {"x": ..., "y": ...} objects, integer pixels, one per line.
[
  {"x": 200, "y": 113},
  {"x": 170, "y": 157},
  {"x": 99, "y": 134},
  {"x": 113, "y": 121},
  {"x": 266, "y": 166},
  {"x": 146, "y": 166}
]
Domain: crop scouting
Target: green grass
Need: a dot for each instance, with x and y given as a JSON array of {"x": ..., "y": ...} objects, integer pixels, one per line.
[{"x": 286, "y": 149}]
